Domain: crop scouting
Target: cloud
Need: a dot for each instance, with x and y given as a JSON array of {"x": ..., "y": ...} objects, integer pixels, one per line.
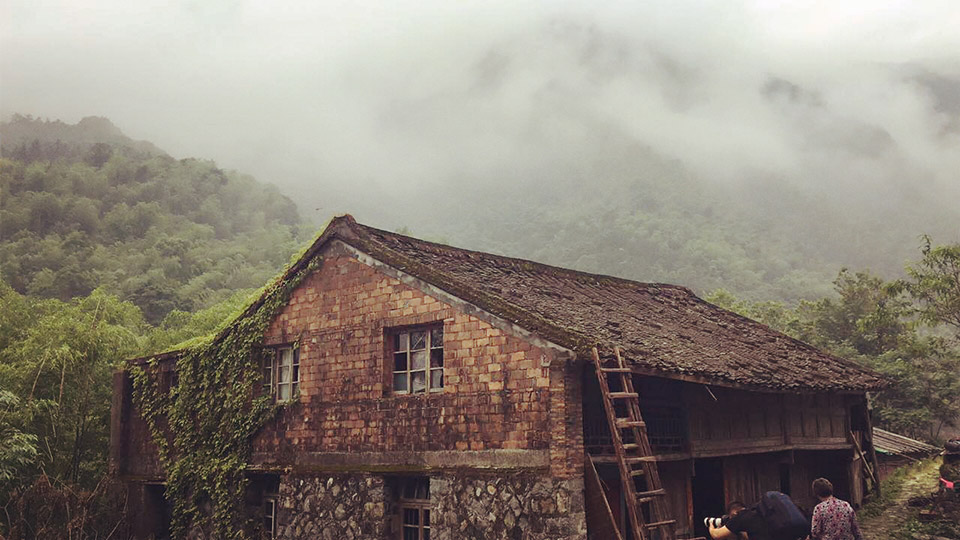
[{"x": 355, "y": 103}]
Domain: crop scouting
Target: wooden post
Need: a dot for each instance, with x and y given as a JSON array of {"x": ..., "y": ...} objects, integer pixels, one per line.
[{"x": 869, "y": 436}]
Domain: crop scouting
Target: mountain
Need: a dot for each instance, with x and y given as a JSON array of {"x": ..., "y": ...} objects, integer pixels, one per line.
[
  {"x": 85, "y": 206},
  {"x": 629, "y": 213}
]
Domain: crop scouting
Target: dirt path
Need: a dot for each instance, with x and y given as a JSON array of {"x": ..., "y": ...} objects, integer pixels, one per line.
[{"x": 921, "y": 481}]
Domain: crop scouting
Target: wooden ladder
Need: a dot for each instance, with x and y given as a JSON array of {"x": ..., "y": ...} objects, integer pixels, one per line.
[{"x": 635, "y": 458}]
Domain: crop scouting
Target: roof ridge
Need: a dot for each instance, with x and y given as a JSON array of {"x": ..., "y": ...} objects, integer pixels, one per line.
[{"x": 539, "y": 265}]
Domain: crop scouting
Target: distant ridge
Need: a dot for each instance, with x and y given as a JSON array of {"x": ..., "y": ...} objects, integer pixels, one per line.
[{"x": 22, "y": 130}]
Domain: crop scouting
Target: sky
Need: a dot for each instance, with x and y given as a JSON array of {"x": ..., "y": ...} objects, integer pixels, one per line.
[{"x": 335, "y": 101}]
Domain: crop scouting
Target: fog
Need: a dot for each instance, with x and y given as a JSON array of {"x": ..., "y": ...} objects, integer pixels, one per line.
[{"x": 366, "y": 108}]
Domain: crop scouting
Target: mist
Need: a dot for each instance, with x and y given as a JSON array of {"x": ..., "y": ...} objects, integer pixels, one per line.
[{"x": 418, "y": 113}]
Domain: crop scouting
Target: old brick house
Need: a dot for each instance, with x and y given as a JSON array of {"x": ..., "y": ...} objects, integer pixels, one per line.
[{"x": 438, "y": 392}]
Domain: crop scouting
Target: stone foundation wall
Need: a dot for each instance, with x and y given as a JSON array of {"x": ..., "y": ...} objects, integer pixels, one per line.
[
  {"x": 514, "y": 507},
  {"x": 360, "y": 506},
  {"x": 328, "y": 507}
]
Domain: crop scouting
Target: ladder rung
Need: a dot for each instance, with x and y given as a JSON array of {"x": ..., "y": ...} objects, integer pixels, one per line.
[
  {"x": 637, "y": 472},
  {"x": 654, "y": 493},
  {"x": 660, "y": 523},
  {"x": 616, "y": 370},
  {"x": 630, "y": 446},
  {"x": 640, "y": 459},
  {"x": 623, "y": 395},
  {"x": 623, "y": 423}
]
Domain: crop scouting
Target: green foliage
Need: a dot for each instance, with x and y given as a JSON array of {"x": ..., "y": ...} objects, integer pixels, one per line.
[
  {"x": 18, "y": 450},
  {"x": 179, "y": 328},
  {"x": 57, "y": 359},
  {"x": 204, "y": 434},
  {"x": 101, "y": 210},
  {"x": 935, "y": 283}
]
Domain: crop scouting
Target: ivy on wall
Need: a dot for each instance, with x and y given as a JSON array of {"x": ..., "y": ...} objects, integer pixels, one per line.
[{"x": 203, "y": 426}]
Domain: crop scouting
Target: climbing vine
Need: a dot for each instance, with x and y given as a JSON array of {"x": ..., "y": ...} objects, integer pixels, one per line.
[{"x": 203, "y": 426}]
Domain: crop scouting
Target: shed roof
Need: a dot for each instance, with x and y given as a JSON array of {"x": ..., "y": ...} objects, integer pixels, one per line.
[
  {"x": 888, "y": 442},
  {"x": 665, "y": 329}
]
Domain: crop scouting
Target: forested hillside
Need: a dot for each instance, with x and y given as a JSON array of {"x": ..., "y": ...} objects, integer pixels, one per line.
[
  {"x": 628, "y": 212},
  {"x": 83, "y": 206}
]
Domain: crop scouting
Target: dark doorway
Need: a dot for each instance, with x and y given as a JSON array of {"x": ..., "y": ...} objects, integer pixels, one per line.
[
  {"x": 158, "y": 512},
  {"x": 785, "y": 478},
  {"x": 707, "y": 492}
]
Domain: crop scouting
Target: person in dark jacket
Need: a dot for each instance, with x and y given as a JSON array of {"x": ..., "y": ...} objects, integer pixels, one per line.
[{"x": 743, "y": 522}]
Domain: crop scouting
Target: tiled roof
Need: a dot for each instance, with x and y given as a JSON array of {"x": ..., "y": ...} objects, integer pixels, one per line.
[{"x": 664, "y": 329}]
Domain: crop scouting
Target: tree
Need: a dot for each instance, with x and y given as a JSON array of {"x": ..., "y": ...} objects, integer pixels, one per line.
[
  {"x": 935, "y": 284},
  {"x": 99, "y": 154}
]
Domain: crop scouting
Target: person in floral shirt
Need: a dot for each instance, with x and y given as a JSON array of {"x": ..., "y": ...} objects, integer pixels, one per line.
[{"x": 833, "y": 519}]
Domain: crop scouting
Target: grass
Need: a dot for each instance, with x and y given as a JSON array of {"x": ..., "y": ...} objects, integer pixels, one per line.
[
  {"x": 914, "y": 528},
  {"x": 911, "y": 527},
  {"x": 890, "y": 489}
]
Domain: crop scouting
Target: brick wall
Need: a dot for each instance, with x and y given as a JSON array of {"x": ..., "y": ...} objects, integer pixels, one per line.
[
  {"x": 132, "y": 452},
  {"x": 502, "y": 391},
  {"x": 499, "y": 391}
]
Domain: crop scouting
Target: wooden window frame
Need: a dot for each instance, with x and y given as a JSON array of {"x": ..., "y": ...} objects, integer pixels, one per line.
[
  {"x": 401, "y": 359},
  {"x": 411, "y": 506},
  {"x": 272, "y": 368},
  {"x": 270, "y": 516}
]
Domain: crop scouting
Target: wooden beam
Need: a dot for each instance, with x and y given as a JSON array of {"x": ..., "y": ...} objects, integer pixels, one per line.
[
  {"x": 600, "y": 520},
  {"x": 699, "y": 379}
]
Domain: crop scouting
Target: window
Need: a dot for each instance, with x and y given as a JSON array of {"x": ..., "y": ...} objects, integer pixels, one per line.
[
  {"x": 418, "y": 360},
  {"x": 413, "y": 503},
  {"x": 281, "y": 373},
  {"x": 269, "y": 518}
]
